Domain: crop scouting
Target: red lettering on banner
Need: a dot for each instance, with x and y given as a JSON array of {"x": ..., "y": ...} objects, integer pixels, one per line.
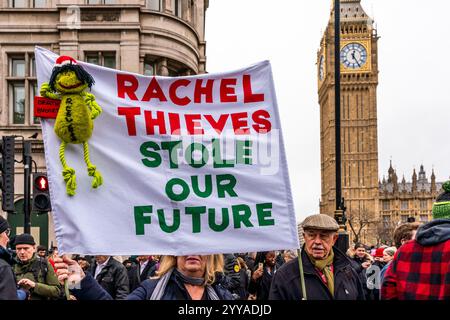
[
  {"x": 45, "y": 107},
  {"x": 130, "y": 114},
  {"x": 193, "y": 124},
  {"x": 173, "y": 92},
  {"x": 207, "y": 91},
  {"x": 240, "y": 124},
  {"x": 227, "y": 93},
  {"x": 262, "y": 125},
  {"x": 219, "y": 124},
  {"x": 154, "y": 91},
  {"x": 249, "y": 96},
  {"x": 150, "y": 122},
  {"x": 123, "y": 89},
  {"x": 174, "y": 120}
]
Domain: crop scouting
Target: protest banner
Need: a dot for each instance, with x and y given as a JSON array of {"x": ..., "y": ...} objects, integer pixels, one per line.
[{"x": 190, "y": 165}]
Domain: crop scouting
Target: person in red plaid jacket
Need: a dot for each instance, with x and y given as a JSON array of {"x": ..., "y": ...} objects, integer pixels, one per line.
[{"x": 421, "y": 267}]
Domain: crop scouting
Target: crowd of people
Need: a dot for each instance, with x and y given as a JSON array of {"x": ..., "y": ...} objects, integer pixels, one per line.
[{"x": 417, "y": 267}]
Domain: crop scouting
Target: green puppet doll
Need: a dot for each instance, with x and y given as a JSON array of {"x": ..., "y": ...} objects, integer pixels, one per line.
[{"x": 75, "y": 119}]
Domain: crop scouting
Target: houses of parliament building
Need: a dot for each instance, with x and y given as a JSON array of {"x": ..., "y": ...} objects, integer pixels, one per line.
[{"x": 372, "y": 205}]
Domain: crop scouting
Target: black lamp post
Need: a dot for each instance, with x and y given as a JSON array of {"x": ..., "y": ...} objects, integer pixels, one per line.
[{"x": 343, "y": 240}]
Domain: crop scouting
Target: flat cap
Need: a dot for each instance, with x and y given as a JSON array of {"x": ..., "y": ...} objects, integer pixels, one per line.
[{"x": 320, "y": 222}]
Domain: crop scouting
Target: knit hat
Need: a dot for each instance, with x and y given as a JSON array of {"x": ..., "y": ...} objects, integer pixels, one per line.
[
  {"x": 24, "y": 239},
  {"x": 390, "y": 251},
  {"x": 379, "y": 252},
  {"x": 441, "y": 208},
  {"x": 4, "y": 225}
]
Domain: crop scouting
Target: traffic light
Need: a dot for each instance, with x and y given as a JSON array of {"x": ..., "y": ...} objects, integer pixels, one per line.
[
  {"x": 7, "y": 168},
  {"x": 41, "y": 195}
]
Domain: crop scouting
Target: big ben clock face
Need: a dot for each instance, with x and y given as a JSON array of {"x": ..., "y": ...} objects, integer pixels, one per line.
[{"x": 354, "y": 56}]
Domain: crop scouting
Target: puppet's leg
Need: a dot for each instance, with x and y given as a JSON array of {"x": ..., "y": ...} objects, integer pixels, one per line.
[
  {"x": 68, "y": 173},
  {"x": 92, "y": 170}
]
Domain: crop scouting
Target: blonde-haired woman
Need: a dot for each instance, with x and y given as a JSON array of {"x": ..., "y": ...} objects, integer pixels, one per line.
[{"x": 178, "y": 278}]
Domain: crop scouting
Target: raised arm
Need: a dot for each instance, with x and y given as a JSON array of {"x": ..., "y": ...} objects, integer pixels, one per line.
[{"x": 47, "y": 92}]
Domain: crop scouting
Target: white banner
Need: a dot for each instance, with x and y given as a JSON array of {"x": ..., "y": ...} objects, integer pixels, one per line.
[{"x": 190, "y": 165}]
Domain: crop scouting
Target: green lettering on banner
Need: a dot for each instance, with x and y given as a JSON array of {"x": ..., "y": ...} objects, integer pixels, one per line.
[
  {"x": 162, "y": 221},
  {"x": 244, "y": 151},
  {"x": 228, "y": 187},
  {"x": 218, "y": 162},
  {"x": 172, "y": 195},
  {"x": 172, "y": 146},
  {"x": 208, "y": 186},
  {"x": 263, "y": 214},
  {"x": 190, "y": 160},
  {"x": 212, "y": 220},
  {"x": 196, "y": 213},
  {"x": 241, "y": 218},
  {"x": 156, "y": 158},
  {"x": 140, "y": 220}
]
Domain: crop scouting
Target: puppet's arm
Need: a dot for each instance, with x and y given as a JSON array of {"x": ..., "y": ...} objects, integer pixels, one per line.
[
  {"x": 93, "y": 105},
  {"x": 47, "y": 92}
]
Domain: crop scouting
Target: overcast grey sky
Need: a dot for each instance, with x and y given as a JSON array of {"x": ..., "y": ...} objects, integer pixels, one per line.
[{"x": 413, "y": 91}]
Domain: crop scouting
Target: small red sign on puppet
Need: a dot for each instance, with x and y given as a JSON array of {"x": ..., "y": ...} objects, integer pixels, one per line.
[{"x": 45, "y": 107}]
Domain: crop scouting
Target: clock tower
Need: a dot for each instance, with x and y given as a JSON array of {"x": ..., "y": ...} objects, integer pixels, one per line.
[{"x": 359, "y": 80}]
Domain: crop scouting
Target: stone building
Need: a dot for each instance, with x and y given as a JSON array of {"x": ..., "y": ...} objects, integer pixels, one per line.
[
  {"x": 151, "y": 37},
  {"x": 359, "y": 81},
  {"x": 373, "y": 208},
  {"x": 400, "y": 200}
]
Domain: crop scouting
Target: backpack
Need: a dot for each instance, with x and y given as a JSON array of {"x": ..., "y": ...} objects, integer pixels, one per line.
[{"x": 40, "y": 265}]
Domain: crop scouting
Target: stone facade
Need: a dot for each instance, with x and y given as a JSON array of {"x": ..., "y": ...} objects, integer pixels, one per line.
[
  {"x": 400, "y": 200},
  {"x": 162, "y": 37},
  {"x": 359, "y": 81}
]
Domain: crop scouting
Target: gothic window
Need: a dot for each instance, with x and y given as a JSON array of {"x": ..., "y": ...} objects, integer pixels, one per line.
[
  {"x": 423, "y": 204},
  {"x": 404, "y": 205},
  {"x": 424, "y": 218},
  {"x": 386, "y": 221},
  {"x": 22, "y": 87},
  {"x": 102, "y": 58},
  {"x": 404, "y": 218},
  {"x": 386, "y": 205}
]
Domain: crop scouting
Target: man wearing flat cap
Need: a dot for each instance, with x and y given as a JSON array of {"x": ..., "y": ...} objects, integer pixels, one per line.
[
  {"x": 328, "y": 273},
  {"x": 34, "y": 273}
]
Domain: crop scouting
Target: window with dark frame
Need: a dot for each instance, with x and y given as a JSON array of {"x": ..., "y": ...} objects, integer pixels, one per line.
[
  {"x": 101, "y": 1},
  {"x": 149, "y": 67},
  {"x": 22, "y": 87},
  {"x": 176, "y": 5},
  {"x": 18, "y": 3},
  {"x": 102, "y": 58},
  {"x": 27, "y": 3}
]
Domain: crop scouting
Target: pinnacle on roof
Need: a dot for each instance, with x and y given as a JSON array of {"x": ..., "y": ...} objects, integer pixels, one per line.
[{"x": 352, "y": 11}]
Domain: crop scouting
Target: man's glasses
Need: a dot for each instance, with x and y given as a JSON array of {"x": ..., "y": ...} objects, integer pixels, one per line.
[{"x": 8, "y": 231}]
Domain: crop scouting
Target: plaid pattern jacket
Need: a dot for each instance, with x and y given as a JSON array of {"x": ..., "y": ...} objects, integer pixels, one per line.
[{"x": 418, "y": 273}]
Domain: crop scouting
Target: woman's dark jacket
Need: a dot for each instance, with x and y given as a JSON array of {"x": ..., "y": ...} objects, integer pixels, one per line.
[{"x": 175, "y": 290}]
